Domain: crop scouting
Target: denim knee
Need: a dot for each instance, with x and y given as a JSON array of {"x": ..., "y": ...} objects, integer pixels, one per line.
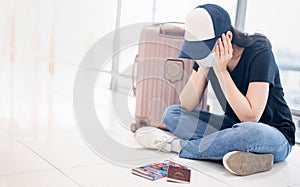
[
  {"x": 171, "y": 116},
  {"x": 262, "y": 138}
]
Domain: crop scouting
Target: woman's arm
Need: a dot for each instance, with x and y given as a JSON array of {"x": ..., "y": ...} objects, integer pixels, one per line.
[
  {"x": 249, "y": 107},
  {"x": 193, "y": 90}
]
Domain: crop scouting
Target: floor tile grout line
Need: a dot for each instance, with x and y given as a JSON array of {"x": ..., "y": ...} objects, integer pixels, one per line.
[
  {"x": 296, "y": 185},
  {"x": 204, "y": 173},
  {"x": 214, "y": 177},
  {"x": 27, "y": 172},
  {"x": 40, "y": 156},
  {"x": 99, "y": 163}
]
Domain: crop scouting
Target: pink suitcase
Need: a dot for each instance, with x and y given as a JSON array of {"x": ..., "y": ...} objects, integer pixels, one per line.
[{"x": 160, "y": 75}]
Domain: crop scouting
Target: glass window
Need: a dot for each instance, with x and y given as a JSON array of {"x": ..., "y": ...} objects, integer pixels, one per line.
[
  {"x": 278, "y": 24},
  {"x": 277, "y": 20},
  {"x": 135, "y": 11},
  {"x": 176, "y": 10}
]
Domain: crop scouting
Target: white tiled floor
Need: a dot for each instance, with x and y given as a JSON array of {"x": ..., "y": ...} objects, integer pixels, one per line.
[{"x": 40, "y": 144}]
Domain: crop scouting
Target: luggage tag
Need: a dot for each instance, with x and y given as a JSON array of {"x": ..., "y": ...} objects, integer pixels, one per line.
[{"x": 174, "y": 70}]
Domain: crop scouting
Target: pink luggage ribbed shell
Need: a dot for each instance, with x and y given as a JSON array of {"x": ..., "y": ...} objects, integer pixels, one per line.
[{"x": 161, "y": 75}]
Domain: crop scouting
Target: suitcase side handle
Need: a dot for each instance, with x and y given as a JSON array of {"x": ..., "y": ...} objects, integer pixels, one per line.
[{"x": 133, "y": 75}]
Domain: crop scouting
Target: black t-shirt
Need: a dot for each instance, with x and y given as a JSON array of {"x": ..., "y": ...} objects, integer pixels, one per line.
[{"x": 257, "y": 64}]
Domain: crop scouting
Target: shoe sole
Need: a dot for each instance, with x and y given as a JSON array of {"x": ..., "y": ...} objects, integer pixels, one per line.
[{"x": 246, "y": 163}]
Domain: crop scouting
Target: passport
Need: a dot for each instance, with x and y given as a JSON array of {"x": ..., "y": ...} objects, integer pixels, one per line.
[
  {"x": 177, "y": 174},
  {"x": 155, "y": 171}
]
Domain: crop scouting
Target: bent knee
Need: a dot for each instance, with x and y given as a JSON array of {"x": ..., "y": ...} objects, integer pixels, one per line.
[
  {"x": 171, "y": 110},
  {"x": 171, "y": 116},
  {"x": 251, "y": 126}
]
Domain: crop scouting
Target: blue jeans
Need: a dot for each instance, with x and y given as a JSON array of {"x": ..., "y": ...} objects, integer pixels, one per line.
[{"x": 208, "y": 136}]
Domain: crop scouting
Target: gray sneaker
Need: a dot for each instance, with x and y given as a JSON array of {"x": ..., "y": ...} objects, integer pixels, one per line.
[
  {"x": 154, "y": 138},
  {"x": 246, "y": 163}
]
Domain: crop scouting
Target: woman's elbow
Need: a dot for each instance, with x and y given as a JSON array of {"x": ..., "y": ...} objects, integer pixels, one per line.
[
  {"x": 250, "y": 118},
  {"x": 186, "y": 105}
]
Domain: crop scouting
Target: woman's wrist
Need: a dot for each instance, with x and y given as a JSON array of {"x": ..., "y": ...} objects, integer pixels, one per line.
[
  {"x": 203, "y": 69},
  {"x": 221, "y": 74},
  {"x": 221, "y": 71}
]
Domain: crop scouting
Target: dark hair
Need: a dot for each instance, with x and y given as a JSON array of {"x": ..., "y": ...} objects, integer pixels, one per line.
[{"x": 245, "y": 40}]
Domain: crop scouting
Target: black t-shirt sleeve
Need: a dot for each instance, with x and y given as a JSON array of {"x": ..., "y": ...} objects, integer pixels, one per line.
[
  {"x": 263, "y": 67},
  {"x": 196, "y": 66}
]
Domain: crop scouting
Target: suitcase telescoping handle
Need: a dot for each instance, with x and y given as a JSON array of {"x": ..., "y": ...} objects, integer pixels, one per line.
[
  {"x": 173, "y": 24},
  {"x": 172, "y": 29}
]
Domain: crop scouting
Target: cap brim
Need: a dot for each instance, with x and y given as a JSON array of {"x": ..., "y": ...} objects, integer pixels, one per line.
[{"x": 197, "y": 50}]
